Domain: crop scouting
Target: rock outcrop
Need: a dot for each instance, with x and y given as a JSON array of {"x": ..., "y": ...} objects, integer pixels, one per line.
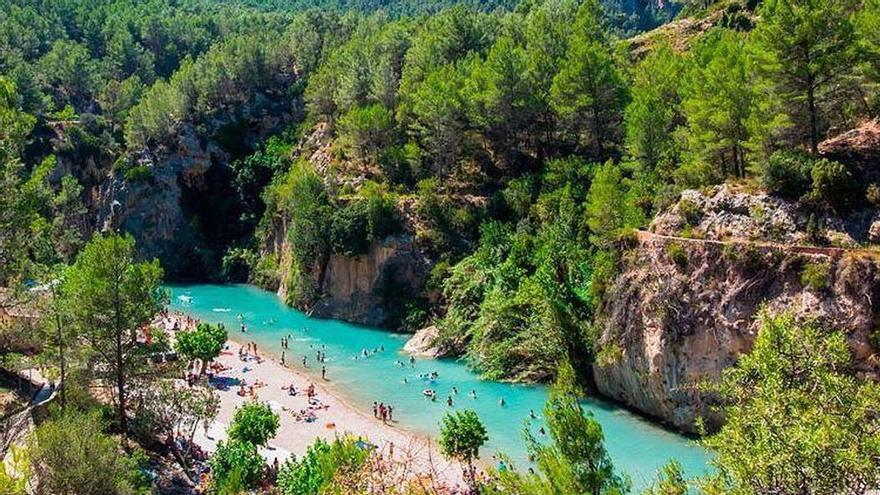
[
  {"x": 422, "y": 343},
  {"x": 366, "y": 289},
  {"x": 149, "y": 207},
  {"x": 370, "y": 289},
  {"x": 682, "y": 310}
]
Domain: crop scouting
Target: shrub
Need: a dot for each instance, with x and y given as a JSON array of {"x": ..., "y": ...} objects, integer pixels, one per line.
[
  {"x": 677, "y": 254},
  {"x": 236, "y": 465},
  {"x": 833, "y": 184},
  {"x": 690, "y": 212},
  {"x": 815, "y": 275},
  {"x": 319, "y": 466},
  {"x": 254, "y": 423},
  {"x": 787, "y": 173},
  {"x": 72, "y": 454}
]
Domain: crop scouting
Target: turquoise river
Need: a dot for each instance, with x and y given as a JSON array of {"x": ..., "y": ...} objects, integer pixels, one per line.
[{"x": 637, "y": 446}]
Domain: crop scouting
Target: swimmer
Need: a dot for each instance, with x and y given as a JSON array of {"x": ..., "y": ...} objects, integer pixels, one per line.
[
  {"x": 532, "y": 414},
  {"x": 449, "y": 401},
  {"x": 473, "y": 394},
  {"x": 454, "y": 390},
  {"x": 501, "y": 402}
]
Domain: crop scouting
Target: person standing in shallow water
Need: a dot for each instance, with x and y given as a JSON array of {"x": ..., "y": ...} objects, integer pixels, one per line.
[{"x": 323, "y": 372}]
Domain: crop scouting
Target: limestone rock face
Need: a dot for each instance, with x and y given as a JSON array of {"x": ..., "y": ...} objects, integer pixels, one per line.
[
  {"x": 680, "y": 311},
  {"x": 363, "y": 289},
  {"x": 149, "y": 207}
]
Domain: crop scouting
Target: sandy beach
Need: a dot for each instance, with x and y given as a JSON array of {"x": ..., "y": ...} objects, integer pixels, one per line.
[{"x": 333, "y": 416}]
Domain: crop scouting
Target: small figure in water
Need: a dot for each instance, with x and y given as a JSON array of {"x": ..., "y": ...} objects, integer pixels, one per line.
[
  {"x": 405, "y": 380},
  {"x": 323, "y": 372},
  {"x": 454, "y": 390},
  {"x": 304, "y": 362},
  {"x": 412, "y": 361},
  {"x": 243, "y": 328},
  {"x": 532, "y": 414},
  {"x": 501, "y": 402},
  {"x": 449, "y": 401},
  {"x": 473, "y": 394},
  {"x": 282, "y": 358},
  {"x": 541, "y": 431}
]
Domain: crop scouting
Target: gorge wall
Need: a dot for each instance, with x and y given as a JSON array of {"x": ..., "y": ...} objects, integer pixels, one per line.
[{"x": 681, "y": 310}]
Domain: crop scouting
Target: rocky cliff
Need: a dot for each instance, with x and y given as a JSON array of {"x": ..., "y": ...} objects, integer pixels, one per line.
[
  {"x": 148, "y": 205},
  {"x": 681, "y": 310},
  {"x": 370, "y": 289}
]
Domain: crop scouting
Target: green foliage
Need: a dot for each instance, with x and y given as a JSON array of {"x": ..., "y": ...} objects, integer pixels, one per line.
[
  {"x": 236, "y": 465},
  {"x": 461, "y": 436},
  {"x": 575, "y": 461},
  {"x": 817, "y": 421},
  {"x": 364, "y": 131},
  {"x": 655, "y": 110},
  {"x": 322, "y": 463},
  {"x": 111, "y": 296},
  {"x": 834, "y": 184},
  {"x": 815, "y": 275},
  {"x": 670, "y": 481},
  {"x": 608, "y": 212},
  {"x": 805, "y": 48},
  {"x": 369, "y": 218},
  {"x": 788, "y": 173},
  {"x": 204, "y": 343},
  {"x": 72, "y": 454},
  {"x": 300, "y": 196},
  {"x": 677, "y": 254},
  {"x": 719, "y": 102},
  {"x": 252, "y": 175},
  {"x": 589, "y": 92},
  {"x": 254, "y": 423}
]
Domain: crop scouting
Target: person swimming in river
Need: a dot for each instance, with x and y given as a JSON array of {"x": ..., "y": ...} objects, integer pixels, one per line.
[
  {"x": 501, "y": 402},
  {"x": 304, "y": 362},
  {"x": 243, "y": 328},
  {"x": 449, "y": 401},
  {"x": 473, "y": 394},
  {"x": 532, "y": 414},
  {"x": 454, "y": 390}
]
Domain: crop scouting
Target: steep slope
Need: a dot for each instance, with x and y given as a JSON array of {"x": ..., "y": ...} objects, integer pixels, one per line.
[{"x": 681, "y": 310}]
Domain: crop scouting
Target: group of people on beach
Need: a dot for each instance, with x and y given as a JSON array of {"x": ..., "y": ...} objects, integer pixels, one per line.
[
  {"x": 384, "y": 412},
  {"x": 249, "y": 350}
]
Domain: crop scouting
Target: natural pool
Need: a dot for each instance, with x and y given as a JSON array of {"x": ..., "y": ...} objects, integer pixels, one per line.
[{"x": 637, "y": 446}]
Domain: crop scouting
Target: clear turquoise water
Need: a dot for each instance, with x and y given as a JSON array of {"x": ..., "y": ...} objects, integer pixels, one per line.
[{"x": 637, "y": 446}]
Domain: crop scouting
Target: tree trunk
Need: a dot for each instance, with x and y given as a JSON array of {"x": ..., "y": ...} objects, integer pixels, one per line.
[
  {"x": 814, "y": 126},
  {"x": 62, "y": 362},
  {"x": 120, "y": 360}
]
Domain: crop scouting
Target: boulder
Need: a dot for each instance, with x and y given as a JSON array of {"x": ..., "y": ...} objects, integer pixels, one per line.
[{"x": 422, "y": 343}]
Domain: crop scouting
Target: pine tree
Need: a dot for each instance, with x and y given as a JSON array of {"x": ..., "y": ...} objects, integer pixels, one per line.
[{"x": 805, "y": 48}]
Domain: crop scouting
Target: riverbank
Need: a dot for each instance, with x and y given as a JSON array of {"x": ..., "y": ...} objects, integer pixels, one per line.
[{"x": 303, "y": 421}]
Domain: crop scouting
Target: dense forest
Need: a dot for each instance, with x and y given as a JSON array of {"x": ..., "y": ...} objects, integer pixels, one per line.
[{"x": 518, "y": 144}]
